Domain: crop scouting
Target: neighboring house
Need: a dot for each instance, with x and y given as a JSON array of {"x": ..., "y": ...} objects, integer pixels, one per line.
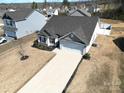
[
  {"x": 51, "y": 12},
  {"x": 73, "y": 33},
  {"x": 79, "y": 12},
  {"x": 22, "y": 22}
]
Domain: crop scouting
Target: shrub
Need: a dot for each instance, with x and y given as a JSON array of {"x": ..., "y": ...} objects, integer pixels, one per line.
[
  {"x": 121, "y": 17},
  {"x": 24, "y": 57},
  {"x": 87, "y": 56},
  {"x": 42, "y": 46},
  {"x": 94, "y": 45}
]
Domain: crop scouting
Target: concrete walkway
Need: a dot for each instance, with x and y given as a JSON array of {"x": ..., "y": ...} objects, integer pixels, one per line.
[{"x": 54, "y": 77}]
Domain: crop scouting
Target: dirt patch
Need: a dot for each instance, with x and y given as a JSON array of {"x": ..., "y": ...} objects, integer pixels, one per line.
[
  {"x": 110, "y": 21},
  {"x": 118, "y": 28}
]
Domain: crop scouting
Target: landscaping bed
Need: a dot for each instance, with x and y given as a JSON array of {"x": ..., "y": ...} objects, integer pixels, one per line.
[{"x": 42, "y": 46}]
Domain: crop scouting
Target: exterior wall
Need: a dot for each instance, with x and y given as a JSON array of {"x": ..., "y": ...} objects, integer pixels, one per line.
[
  {"x": 9, "y": 30},
  {"x": 104, "y": 29},
  {"x": 5, "y": 23},
  {"x": 47, "y": 42},
  {"x": 56, "y": 12},
  {"x": 33, "y": 23},
  {"x": 10, "y": 34},
  {"x": 104, "y": 32},
  {"x": 97, "y": 28}
]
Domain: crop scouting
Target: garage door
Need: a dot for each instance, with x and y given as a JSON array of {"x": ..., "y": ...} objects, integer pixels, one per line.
[{"x": 71, "y": 46}]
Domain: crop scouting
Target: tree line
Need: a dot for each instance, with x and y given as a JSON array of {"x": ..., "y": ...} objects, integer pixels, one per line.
[{"x": 35, "y": 5}]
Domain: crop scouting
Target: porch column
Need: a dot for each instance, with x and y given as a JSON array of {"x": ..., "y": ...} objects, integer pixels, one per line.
[{"x": 48, "y": 41}]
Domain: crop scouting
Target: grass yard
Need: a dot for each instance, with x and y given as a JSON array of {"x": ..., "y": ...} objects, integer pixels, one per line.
[
  {"x": 14, "y": 73},
  {"x": 104, "y": 72},
  {"x": 121, "y": 75}
]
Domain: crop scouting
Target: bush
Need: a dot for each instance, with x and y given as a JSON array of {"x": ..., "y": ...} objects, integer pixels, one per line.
[
  {"x": 87, "y": 56},
  {"x": 121, "y": 17},
  {"x": 42, "y": 46},
  {"x": 94, "y": 45},
  {"x": 24, "y": 57}
]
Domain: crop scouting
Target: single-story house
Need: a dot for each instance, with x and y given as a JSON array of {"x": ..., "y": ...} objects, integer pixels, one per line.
[
  {"x": 79, "y": 12},
  {"x": 72, "y": 33},
  {"x": 20, "y": 23}
]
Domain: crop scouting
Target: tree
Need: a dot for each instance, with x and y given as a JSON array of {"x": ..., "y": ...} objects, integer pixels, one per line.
[
  {"x": 122, "y": 5},
  {"x": 66, "y": 3},
  {"x": 45, "y": 3},
  {"x": 109, "y": 4},
  {"x": 34, "y": 5}
]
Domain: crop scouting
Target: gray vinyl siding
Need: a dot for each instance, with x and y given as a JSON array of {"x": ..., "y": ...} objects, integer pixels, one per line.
[{"x": 33, "y": 23}]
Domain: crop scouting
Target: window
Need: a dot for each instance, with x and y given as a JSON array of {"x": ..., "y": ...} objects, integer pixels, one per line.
[
  {"x": 9, "y": 22},
  {"x": 52, "y": 40},
  {"x": 42, "y": 39}
]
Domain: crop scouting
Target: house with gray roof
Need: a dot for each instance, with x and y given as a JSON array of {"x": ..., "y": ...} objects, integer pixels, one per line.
[
  {"x": 73, "y": 33},
  {"x": 20, "y": 23},
  {"x": 79, "y": 12}
]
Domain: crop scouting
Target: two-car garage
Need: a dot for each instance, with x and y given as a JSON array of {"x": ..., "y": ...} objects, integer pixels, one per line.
[{"x": 72, "y": 46}]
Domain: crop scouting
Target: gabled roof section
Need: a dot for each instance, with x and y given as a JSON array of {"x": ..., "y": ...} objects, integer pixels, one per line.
[
  {"x": 83, "y": 27},
  {"x": 81, "y": 11},
  {"x": 18, "y": 15}
]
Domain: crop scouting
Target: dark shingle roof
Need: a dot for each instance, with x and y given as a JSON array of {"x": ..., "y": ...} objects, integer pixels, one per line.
[
  {"x": 18, "y": 15},
  {"x": 81, "y": 11},
  {"x": 82, "y": 27}
]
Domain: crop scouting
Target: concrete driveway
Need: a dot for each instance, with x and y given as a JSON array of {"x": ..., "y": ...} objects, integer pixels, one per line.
[{"x": 54, "y": 77}]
